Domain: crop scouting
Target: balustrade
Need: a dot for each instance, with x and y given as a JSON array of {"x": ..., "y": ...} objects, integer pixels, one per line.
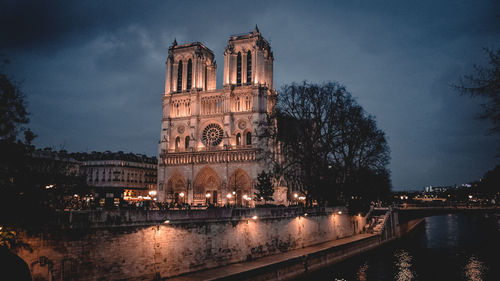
[{"x": 209, "y": 156}]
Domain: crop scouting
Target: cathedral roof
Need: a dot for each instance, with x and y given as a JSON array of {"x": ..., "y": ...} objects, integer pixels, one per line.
[{"x": 189, "y": 45}]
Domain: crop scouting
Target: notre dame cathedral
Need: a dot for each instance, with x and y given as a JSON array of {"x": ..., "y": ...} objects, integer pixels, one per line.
[{"x": 209, "y": 150}]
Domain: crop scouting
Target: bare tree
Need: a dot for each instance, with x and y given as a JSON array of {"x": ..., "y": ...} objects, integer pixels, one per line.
[
  {"x": 324, "y": 139},
  {"x": 485, "y": 83}
]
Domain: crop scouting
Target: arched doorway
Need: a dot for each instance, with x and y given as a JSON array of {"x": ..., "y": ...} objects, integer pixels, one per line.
[
  {"x": 207, "y": 187},
  {"x": 240, "y": 185},
  {"x": 176, "y": 189}
]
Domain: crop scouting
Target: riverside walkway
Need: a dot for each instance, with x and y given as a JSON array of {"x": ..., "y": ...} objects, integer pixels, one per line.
[{"x": 266, "y": 267}]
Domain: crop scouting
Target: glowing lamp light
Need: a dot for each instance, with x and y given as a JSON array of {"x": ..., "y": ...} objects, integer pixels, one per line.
[
  {"x": 181, "y": 194},
  {"x": 255, "y": 217},
  {"x": 208, "y": 195},
  {"x": 152, "y": 193},
  {"x": 228, "y": 196},
  {"x": 245, "y": 197},
  {"x": 305, "y": 214},
  {"x": 166, "y": 222},
  {"x": 339, "y": 212},
  {"x": 302, "y": 198},
  {"x": 470, "y": 196},
  {"x": 234, "y": 192},
  {"x": 295, "y": 195}
]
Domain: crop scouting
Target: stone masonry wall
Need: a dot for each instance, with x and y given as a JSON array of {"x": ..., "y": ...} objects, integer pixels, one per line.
[{"x": 143, "y": 253}]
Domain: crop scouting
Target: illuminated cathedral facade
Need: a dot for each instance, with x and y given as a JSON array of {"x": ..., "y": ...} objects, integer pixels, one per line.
[{"x": 209, "y": 151}]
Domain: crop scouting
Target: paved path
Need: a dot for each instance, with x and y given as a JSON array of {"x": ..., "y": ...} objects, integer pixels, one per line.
[{"x": 228, "y": 270}]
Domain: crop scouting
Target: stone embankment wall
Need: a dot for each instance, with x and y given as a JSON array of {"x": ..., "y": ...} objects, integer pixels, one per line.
[{"x": 179, "y": 246}]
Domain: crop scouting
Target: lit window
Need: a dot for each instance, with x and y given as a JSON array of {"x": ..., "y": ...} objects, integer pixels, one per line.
[
  {"x": 238, "y": 139},
  {"x": 177, "y": 142}
]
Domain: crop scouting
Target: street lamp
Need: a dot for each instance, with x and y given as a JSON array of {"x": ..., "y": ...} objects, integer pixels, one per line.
[
  {"x": 207, "y": 195},
  {"x": 181, "y": 195}
]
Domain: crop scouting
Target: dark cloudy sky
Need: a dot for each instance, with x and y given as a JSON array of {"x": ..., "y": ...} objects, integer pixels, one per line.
[{"x": 93, "y": 71}]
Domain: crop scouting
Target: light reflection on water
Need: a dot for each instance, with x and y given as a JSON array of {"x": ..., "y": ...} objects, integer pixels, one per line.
[
  {"x": 403, "y": 264},
  {"x": 450, "y": 247},
  {"x": 363, "y": 272},
  {"x": 474, "y": 269}
]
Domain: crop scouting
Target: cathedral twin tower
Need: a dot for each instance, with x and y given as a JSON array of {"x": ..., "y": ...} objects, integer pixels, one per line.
[{"x": 209, "y": 150}]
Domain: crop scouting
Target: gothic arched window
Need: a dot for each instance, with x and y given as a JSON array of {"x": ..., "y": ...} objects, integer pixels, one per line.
[
  {"x": 238, "y": 139},
  {"x": 177, "y": 142},
  {"x": 189, "y": 75},
  {"x": 249, "y": 67},
  {"x": 247, "y": 103},
  {"x": 179, "y": 77},
  {"x": 238, "y": 104},
  {"x": 249, "y": 138},
  {"x": 186, "y": 142},
  {"x": 238, "y": 69}
]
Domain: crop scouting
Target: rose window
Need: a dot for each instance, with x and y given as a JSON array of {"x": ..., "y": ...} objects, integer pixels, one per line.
[{"x": 212, "y": 135}]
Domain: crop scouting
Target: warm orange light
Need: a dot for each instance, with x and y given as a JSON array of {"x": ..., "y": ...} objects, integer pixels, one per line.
[
  {"x": 181, "y": 194},
  {"x": 228, "y": 196},
  {"x": 208, "y": 195},
  {"x": 254, "y": 217}
]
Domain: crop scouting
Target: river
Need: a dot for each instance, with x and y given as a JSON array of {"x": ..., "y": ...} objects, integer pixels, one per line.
[{"x": 450, "y": 247}]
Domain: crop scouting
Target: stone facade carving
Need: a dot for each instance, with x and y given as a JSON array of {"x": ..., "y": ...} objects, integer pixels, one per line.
[{"x": 216, "y": 157}]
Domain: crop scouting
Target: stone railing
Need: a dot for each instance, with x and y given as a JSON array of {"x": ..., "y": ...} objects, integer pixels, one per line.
[
  {"x": 209, "y": 156},
  {"x": 116, "y": 218}
]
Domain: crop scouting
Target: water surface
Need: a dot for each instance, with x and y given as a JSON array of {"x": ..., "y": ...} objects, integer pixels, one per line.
[{"x": 450, "y": 247}]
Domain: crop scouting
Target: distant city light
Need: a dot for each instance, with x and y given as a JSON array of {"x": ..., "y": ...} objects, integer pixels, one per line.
[
  {"x": 228, "y": 196},
  {"x": 295, "y": 195},
  {"x": 152, "y": 193},
  {"x": 339, "y": 212},
  {"x": 208, "y": 195},
  {"x": 181, "y": 194},
  {"x": 166, "y": 222},
  {"x": 254, "y": 217}
]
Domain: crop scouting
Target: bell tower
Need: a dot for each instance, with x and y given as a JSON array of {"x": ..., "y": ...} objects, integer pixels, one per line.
[
  {"x": 190, "y": 66},
  {"x": 248, "y": 60}
]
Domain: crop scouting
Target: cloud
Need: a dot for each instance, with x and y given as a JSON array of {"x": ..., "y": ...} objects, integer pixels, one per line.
[{"x": 94, "y": 71}]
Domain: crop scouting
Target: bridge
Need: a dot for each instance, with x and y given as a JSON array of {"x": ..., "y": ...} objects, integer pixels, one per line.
[{"x": 410, "y": 212}]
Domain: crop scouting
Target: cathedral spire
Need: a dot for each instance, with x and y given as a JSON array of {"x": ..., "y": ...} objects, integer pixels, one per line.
[
  {"x": 256, "y": 30},
  {"x": 175, "y": 42}
]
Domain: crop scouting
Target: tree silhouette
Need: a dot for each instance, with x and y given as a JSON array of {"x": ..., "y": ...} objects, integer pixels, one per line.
[
  {"x": 485, "y": 83},
  {"x": 265, "y": 189},
  {"x": 325, "y": 140}
]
